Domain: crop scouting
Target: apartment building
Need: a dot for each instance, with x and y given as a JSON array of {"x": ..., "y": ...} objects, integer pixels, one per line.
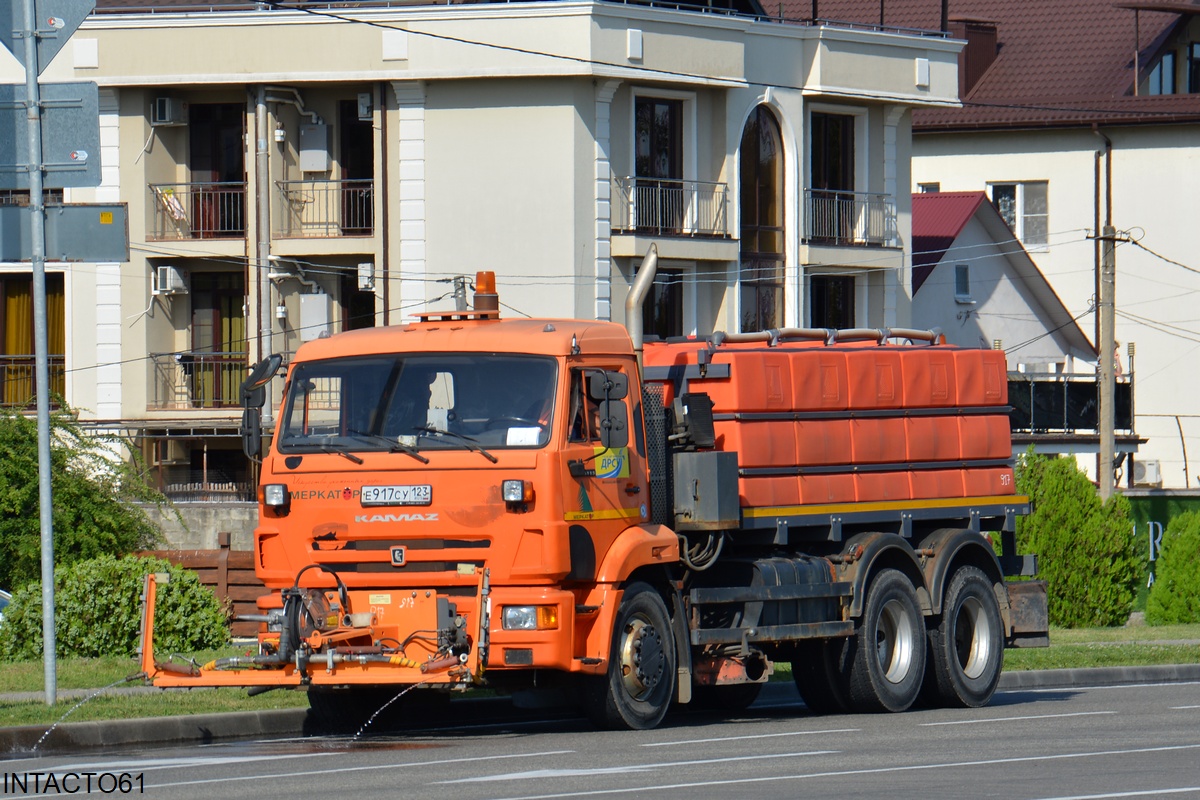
[{"x": 297, "y": 171}]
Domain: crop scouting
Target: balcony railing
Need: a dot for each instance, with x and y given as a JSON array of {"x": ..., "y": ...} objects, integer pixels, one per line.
[
  {"x": 325, "y": 208},
  {"x": 1064, "y": 403},
  {"x": 670, "y": 207},
  {"x": 18, "y": 383},
  {"x": 197, "y": 379},
  {"x": 198, "y": 210},
  {"x": 849, "y": 218}
]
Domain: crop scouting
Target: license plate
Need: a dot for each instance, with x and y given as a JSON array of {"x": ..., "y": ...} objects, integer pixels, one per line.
[{"x": 418, "y": 495}]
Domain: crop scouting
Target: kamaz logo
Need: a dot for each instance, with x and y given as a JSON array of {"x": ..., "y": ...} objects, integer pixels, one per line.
[{"x": 431, "y": 517}]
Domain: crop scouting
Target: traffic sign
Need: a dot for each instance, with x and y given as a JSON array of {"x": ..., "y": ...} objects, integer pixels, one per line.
[
  {"x": 90, "y": 232},
  {"x": 70, "y": 136},
  {"x": 56, "y": 20}
]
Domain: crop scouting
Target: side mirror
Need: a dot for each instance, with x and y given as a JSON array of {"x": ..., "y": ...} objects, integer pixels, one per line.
[
  {"x": 254, "y": 397},
  {"x": 254, "y": 393},
  {"x": 614, "y": 424},
  {"x": 607, "y": 385}
]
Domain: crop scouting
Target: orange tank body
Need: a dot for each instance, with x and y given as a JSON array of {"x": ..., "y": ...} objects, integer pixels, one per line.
[{"x": 814, "y": 423}]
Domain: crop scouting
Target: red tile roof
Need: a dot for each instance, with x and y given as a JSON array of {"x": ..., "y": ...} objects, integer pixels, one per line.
[
  {"x": 937, "y": 220},
  {"x": 1059, "y": 62}
]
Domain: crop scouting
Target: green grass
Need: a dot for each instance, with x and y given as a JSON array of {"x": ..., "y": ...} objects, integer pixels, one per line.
[{"x": 1091, "y": 647}]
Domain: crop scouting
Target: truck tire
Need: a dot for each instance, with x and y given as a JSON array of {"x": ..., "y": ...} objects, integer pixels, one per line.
[
  {"x": 815, "y": 670},
  {"x": 637, "y": 690},
  {"x": 886, "y": 655},
  {"x": 967, "y": 646}
]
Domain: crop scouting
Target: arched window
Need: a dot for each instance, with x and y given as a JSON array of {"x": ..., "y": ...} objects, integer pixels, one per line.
[{"x": 761, "y": 201}]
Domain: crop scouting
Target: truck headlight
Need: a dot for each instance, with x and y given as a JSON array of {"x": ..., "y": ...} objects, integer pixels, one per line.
[
  {"x": 514, "y": 492},
  {"x": 275, "y": 495},
  {"x": 530, "y": 618}
]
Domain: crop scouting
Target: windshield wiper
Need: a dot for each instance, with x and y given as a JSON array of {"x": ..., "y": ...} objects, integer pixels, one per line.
[
  {"x": 467, "y": 440},
  {"x": 328, "y": 448},
  {"x": 392, "y": 445}
]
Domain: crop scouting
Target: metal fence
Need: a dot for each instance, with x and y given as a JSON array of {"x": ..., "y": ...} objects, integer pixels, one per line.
[
  {"x": 197, "y": 379},
  {"x": 325, "y": 208},
  {"x": 18, "y": 379},
  {"x": 849, "y": 218},
  {"x": 198, "y": 210},
  {"x": 1064, "y": 403},
  {"x": 670, "y": 207}
]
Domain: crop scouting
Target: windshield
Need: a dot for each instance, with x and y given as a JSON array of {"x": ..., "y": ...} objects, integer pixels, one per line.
[{"x": 410, "y": 402}]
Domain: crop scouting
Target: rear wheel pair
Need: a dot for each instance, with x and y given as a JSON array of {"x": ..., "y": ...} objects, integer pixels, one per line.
[{"x": 890, "y": 660}]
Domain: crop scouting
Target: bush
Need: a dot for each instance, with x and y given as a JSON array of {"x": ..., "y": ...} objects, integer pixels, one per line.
[
  {"x": 1175, "y": 596},
  {"x": 98, "y": 612},
  {"x": 1085, "y": 550},
  {"x": 94, "y": 497}
]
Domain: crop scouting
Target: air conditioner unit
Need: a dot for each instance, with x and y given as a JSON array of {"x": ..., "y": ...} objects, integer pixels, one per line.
[
  {"x": 168, "y": 111},
  {"x": 169, "y": 280},
  {"x": 1147, "y": 473}
]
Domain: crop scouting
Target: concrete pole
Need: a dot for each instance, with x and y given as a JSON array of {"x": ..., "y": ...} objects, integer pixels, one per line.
[
  {"x": 41, "y": 369},
  {"x": 1107, "y": 387}
]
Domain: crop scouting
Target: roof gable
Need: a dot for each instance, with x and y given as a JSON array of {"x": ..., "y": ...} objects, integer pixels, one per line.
[{"x": 937, "y": 220}]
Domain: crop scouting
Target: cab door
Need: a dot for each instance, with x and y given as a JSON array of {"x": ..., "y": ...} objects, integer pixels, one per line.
[{"x": 605, "y": 487}]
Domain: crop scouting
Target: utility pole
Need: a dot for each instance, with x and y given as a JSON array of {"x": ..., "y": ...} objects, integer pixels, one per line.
[
  {"x": 1107, "y": 384},
  {"x": 41, "y": 346}
]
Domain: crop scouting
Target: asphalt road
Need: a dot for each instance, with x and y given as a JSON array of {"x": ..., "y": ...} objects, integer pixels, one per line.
[{"x": 1094, "y": 742}]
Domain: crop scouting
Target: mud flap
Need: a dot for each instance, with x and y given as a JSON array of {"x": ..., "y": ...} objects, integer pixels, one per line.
[{"x": 1029, "y": 614}]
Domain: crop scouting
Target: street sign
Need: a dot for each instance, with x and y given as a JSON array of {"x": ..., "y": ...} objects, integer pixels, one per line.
[
  {"x": 56, "y": 21},
  {"x": 90, "y": 232},
  {"x": 70, "y": 136}
]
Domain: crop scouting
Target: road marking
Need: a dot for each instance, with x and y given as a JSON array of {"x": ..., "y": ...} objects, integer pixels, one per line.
[
  {"x": 753, "y": 736},
  {"x": 1140, "y": 793},
  {"x": 332, "y": 770},
  {"x": 1061, "y": 689},
  {"x": 1183, "y": 708},
  {"x": 874, "y": 771},
  {"x": 1015, "y": 719},
  {"x": 583, "y": 773}
]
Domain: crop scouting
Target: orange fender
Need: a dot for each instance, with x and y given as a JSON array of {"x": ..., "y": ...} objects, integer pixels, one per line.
[{"x": 639, "y": 546}]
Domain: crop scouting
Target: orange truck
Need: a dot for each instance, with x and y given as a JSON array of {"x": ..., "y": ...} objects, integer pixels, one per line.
[{"x": 555, "y": 505}]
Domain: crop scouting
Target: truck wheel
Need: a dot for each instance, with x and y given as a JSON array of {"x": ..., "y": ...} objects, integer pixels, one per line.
[
  {"x": 887, "y": 653},
  {"x": 640, "y": 683},
  {"x": 968, "y": 643},
  {"x": 818, "y": 679}
]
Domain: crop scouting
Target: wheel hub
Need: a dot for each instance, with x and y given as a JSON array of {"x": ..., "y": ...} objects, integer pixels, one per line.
[{"x": 642, "y": 658}]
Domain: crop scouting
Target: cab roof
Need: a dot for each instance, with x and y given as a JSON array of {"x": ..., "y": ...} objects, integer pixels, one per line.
[{"x": 549, "y": 337}]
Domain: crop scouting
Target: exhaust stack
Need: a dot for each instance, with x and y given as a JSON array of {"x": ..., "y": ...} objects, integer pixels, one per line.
[{"x": 637, "y": 298}]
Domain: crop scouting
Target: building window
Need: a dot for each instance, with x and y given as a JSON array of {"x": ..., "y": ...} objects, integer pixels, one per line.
[
  {"x": 658, "y": 163},
  {"x": 762, "y": 222},
  {"x": 962, "y": 283},
  {"x": 662, "y": 314},
  {"x": 1194, "y": 68},
  {"x": 1162, "y": 77},
  {"x": 929, "y": 188},
  {"x": 831, "y": 301},
  {"x": 17, "y": 358},
  {"x": 1024, "y": 207}
]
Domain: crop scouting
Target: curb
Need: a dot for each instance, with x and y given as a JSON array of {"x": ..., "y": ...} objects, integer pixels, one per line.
[{"x": 208, "y": 728}]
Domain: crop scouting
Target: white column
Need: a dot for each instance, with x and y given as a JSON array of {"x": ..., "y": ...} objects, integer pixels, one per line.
[
  {"x": 108, "y": 277},
  {"x": 602, "y": 268},
  {"x": 893, "y": 282},
  {"x": 410, "y": 188}
]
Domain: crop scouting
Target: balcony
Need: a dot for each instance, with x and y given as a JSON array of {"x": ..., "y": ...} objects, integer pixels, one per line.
[
  {"x": 324, "y": 208},
  {"x": 1064, "y": 403},
  {"x": 657, "y": 207},
  {"x": 198, "y": 210},
  {"x": 849, "y": 218},
  {"x": 202, "y": 380},
  {"x": 18, "y": 384}
]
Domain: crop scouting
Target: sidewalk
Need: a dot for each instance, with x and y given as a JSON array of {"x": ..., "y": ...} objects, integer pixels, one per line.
[{"x": 206, "y": 728}]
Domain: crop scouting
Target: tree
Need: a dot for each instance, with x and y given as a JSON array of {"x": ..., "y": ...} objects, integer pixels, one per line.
[
  {"x": 94, "y": 497},
  {"x": 1085, "y": 550},
  {"x": 1175, "y": 596}
]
